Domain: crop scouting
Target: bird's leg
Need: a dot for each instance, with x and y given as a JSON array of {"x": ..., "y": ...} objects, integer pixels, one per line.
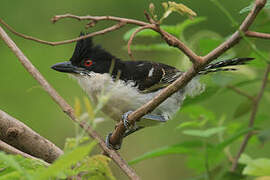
[
  {"x": 125, "y": 120},
  {"x": 109, "y": 145},
  {"x": 128, "y": 130},
  {"x": 133, "y": 128}
]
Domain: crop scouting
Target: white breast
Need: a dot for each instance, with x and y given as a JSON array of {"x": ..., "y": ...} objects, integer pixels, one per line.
[{"x": 118, "y": 97}]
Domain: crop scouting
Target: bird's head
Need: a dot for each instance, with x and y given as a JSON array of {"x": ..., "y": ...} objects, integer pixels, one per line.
[{"x": 86, "y": 58}]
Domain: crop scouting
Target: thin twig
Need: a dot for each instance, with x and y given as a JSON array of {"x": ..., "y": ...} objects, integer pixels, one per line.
[
  {"x": 241, "y": 92},
  {"x": 10, "y": 149},
  {"x": 170, "y": 39},
  {"x": 99, "y": 18},
  {"x": 257, "y": 35},
  {"x": 20, "y": 136},
  {"x": 252, "y": 117},
  {"x": 106, "y": 30},
  {"x": 65, "y": 106},
  {"x": 132, "y": 37}
]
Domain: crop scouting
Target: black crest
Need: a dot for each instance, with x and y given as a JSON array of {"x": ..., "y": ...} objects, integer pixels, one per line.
[{"x": 86, "y": 49}]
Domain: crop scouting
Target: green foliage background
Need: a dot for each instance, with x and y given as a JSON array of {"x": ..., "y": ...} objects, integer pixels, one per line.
[{"x": 22, "y": 97}]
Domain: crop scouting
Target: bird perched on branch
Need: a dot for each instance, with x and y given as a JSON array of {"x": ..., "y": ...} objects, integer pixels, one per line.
[{"x": 130, "y": 84}]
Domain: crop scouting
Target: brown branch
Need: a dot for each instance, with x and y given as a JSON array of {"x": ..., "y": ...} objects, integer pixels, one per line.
[
  {"x": 11, "y": 150},
  {"x": 170, "y": 39},
  {"x": 65, "y": 106},
  {"x": 117, "y": 135},
  {"x": 106, "y": 30},
  {"x": 20, "y": 136},
  {"x": 240, "y": 92},
  {"x": 257, "y": 35},
  {"x": 132, "y": 37},
  {"x": 252, "y": 117},
  {"x": 99, "y": 18}
]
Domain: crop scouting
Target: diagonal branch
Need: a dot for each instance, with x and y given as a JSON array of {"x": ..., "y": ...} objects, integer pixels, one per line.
[
  {"x": 65, "y": 106},
  {"x": 10, "y": 149},
  {"x": 106, "y": 30},
  {"x": 23, "y": 138}
]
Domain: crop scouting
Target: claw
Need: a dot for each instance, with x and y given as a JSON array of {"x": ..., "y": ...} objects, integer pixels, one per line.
[
  {"x": 109, "y": 145},
  {"x": 125, "y": 120}
]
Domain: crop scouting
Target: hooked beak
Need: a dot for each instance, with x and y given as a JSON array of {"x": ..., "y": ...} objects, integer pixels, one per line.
[{"x": 66, "y": 67}]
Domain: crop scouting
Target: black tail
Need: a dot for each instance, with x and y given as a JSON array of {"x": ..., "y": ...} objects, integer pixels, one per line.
[{"x": 218, "y": 66}]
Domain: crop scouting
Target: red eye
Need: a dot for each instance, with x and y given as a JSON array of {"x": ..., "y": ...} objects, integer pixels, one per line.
[{"x": 88, "y": 62}]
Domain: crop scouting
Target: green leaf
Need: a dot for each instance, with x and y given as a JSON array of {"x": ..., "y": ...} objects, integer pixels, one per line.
[
  {"x": 182, "y": 148},
  {"x": 180, "y": 8},
  {"x": 255, "y": 167},
  {"x": 89, "y": 108},
  {"x": 206, "y": 95},
  {"x": 197, "y": 163},
  {"x": 204, "y": 133},
  {"x": 232, "y": 176},
  {"x": 96, "y": 167},
  {"x": 10, "y": 162},
  {"x": 77, "y": 107},
  {"x": 180, "y": 28},
  {"x": 258, "y": 62},
  {"x": 16, "y": 175},
  {"x": 189, "y": 124},
  {"x": 65, "y": 161},
  {"x": 176, "y": 30},
  {"x": 264, "y": 135},
  {"x": 243, "y": 108},
  {"x": 153, "y": 47},
  {"x": 72, "y": 143},
  {"x": 197, "y": 112},
  {"x": 222, "y": 79},
  {"x": 241, "y": 84},
  {"x": 143, "y": 33},
  {"x": 233, "y": 138},
  {"x": 18, "y": 167},
  {"x": 208, "y": 44}
]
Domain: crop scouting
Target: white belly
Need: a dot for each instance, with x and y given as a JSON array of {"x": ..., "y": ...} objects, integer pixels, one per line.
[{"x": 118, "y": 97}]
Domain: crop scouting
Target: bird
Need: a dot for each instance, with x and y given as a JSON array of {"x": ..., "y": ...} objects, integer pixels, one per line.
[{"x": 129, "y": 84}]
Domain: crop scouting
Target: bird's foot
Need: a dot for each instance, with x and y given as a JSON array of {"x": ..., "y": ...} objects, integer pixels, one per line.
[
  {"x": 127, "y": 125},
  {"x": 111, "y": 146}
]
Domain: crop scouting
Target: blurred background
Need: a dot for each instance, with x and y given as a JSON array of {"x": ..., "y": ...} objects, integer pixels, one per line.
[{"x": 23, "y": 98}]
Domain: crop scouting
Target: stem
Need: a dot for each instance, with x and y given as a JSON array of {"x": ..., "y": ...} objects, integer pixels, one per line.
[
  {"x": 252, "y": 118},
  {"x": 240, "y": 92},
  {"x": 208, "y": 174}
]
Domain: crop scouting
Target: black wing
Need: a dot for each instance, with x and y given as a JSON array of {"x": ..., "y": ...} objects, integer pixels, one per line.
[{"x": 150, "y": 76}]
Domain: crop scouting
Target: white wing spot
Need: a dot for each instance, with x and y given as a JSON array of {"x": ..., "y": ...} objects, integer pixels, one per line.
[
  {"x": 140, "y": 64},
  {"x": 151, "y": 72}
]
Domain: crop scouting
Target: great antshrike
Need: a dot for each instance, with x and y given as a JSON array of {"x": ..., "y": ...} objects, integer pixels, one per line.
[{"x": 130, "y": 84}]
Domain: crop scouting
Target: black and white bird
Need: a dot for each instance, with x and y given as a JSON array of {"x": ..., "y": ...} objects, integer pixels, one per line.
[{"x": 130, "y": 84}]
